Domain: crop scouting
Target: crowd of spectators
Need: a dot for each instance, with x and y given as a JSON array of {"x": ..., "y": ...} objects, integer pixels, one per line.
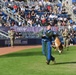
[{"x": 37, "y": 13}]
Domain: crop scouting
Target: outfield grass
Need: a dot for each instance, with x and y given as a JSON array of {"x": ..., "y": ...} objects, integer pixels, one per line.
[{"x": 32, "y": 62}]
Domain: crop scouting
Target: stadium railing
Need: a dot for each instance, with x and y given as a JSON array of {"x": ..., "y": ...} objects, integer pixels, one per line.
[{"x": 13, "y": 15}]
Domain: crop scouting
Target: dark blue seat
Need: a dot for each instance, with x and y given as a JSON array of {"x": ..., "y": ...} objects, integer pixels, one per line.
[{"x": 40, "y": 13}]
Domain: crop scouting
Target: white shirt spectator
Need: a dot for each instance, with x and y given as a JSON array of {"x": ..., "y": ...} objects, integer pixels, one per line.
[
  {"x": 22, "y": 8},
  {"x": 65, "y": 19},
  {"x": 37, "y": 7},
  {"x": 38, "y": 25},
  {"x": 52, "y": 16},
  {"x": 20, "y": 23},
  {"x": 74, "y": 26},
  {"x": 44, "y": 3},
  {"x": 48, "y": 3},
  {"x": 29, "y": 22},
  {"x": 40, "y": 3},
  {"x": 37, "y": 16},
  {"x": 60, "y": 18},
  {"x": 42, "y": 17},
  {"x": 0, "y": 24},
  {"x": 11, "y": 0}
]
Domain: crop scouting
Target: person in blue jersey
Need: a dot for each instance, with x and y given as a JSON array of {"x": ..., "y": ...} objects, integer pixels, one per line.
[{"x": 47, "y": 44}]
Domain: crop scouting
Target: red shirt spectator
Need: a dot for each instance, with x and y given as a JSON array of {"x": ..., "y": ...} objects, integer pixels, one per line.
[{"x": 15, "y": 7}]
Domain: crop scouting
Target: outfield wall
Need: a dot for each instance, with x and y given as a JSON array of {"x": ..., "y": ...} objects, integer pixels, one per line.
[
  {"x": 20, "y": 42},
  {"x": 24, "y": 42}
]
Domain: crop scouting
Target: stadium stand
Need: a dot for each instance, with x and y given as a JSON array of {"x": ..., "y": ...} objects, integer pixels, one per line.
[{"x": 27, "y": 17}]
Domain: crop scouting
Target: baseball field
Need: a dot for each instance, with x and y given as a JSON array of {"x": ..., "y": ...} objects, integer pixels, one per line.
[{"x": 32, "y": 62}]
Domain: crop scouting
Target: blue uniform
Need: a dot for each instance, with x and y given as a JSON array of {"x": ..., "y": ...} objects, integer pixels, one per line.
[{"x": 46, "y": 44}]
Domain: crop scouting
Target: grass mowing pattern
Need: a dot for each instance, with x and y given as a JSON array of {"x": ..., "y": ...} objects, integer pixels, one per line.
[{"x": 32, "y": 62}]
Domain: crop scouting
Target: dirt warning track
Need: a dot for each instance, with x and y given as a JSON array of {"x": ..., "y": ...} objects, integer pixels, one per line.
[{"x": 7, "y": 50}]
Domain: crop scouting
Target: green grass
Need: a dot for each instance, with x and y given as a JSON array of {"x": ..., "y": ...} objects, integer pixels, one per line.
[{"x": 32, "y": 62}]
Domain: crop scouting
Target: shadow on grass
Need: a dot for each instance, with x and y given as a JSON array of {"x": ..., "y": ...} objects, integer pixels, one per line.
[
  {"x": 60, "y": 63},
  {"x": 22, "y": 54}
]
